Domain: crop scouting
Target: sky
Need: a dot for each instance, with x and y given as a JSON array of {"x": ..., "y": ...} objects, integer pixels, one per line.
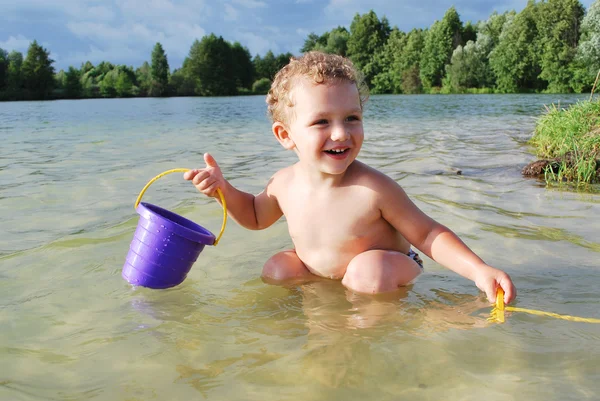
[{"x": 125, "y": 31}]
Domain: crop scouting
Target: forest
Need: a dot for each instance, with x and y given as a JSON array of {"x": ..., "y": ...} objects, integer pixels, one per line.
[{"x": 551, "y": 46}]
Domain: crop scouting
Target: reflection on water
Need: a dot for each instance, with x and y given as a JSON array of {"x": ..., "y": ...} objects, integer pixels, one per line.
[{"x": 72, "y": 329}]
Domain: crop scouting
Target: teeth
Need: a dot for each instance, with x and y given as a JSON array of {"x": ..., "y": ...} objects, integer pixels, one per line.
[{"x": 337, "y": 150}]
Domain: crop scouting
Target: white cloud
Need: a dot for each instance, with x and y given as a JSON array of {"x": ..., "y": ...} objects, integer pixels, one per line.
[
  {"x": 257, "y": 44},
  {"x": 302, "y": 32},
  {"x": 250, "y": 3},
  {"x": 231, "y": 13},
  {"x": 19, "y": 43}
]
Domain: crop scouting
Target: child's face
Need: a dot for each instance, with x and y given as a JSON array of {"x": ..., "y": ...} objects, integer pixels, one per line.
[{"x": 325, "y": 124}]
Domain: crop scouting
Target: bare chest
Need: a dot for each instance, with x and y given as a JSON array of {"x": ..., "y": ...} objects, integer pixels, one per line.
[{"x": 334, "y": 220}]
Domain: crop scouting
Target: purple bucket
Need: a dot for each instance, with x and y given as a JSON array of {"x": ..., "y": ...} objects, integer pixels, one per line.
[{"x": 164, "y": 248}]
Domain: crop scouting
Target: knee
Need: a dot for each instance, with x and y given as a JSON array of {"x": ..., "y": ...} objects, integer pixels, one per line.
[
  {"x": 380, "y": 271},
  {"x": 284, "y": 266}
]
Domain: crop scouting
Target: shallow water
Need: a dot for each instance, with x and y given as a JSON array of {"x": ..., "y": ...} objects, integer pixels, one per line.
[{"x": 72, "y": 329}]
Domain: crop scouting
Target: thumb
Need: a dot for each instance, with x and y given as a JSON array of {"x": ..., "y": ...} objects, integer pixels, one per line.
[{"x": 210, "y": 161}]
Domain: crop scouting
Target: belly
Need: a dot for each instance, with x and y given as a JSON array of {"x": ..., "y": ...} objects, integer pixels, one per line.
[{"x": 331, "y": 258}]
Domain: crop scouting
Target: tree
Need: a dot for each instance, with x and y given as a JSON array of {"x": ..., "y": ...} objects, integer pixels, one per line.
[
  {"x": 558, "y": 23},
  {"x": 262, "y": 86},
  {"x": 337, "y": 41},
  {"x": 367, "y": 37},
  {"x": 388, "y": 80},
  {"x": 211, "y": 62},
  {"x": 3, "y": 69},
  {"x": 72, "y": 83},
  {"x": 108, "y": 84},
  {"x": 265, "y": 67},
  {"x": 181, "y": 84},
  {"x": 243, "y": 67},
  {"x": 515, "y": 60},
  {"x": 143, "y": 76},
  {"x": 38, "y": 72},
  {"x": 159, "y": 72},
  {"x": 311, "y": 42},
  {"x": 443, "y": 37},
  {"x": 469, "y": 67},
  {"x": 410, "y": 62},
  {"x": 588, "y": 52}
]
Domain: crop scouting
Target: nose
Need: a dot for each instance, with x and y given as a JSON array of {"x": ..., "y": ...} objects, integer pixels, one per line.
[{"x": 339, "y": 133}]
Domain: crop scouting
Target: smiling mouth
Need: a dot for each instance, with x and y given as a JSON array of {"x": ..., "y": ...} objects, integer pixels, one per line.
[{"x": 337, "y": 151}]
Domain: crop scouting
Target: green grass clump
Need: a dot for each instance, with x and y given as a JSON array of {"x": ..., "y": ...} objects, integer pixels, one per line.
[{"x": 571, "y": 138}]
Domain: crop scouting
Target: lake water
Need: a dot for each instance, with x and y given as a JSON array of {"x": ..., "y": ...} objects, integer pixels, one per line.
[{"x": 72, "y": 329}]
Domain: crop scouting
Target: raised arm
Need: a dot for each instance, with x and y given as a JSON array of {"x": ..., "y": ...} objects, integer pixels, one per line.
[
  {"x": 249, "y": 211},
  {"x": 440, "y": 243}
]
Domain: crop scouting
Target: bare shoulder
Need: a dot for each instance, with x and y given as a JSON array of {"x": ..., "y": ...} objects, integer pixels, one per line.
[
  {"x": 370, "y": 177},
  {"x": 280, "y": 180}
]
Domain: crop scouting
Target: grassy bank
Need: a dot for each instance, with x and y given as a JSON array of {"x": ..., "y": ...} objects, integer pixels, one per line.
[{"x": 569, "y": 141}]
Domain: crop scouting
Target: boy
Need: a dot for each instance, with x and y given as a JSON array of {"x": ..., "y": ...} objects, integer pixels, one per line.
[{"x": 347, "y": 220}]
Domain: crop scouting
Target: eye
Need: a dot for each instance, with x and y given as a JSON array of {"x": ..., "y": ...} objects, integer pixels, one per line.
[
  {"x": 353, "y": 118},
  {"x": 320, "y": 122}
]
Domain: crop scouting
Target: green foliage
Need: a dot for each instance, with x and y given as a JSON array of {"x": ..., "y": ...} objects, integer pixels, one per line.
[
  {"x": 15, "y": 76},
  {"x": 211, "y": 63},
  {"x": 3, "y": 69},
  {"x": 337, "y": 41},
  {"x": 159, "y": 71},
  {"x": 265, "y": 67},
  {"x": 125, "y": 82},
  {"x": 389, "y": 63},
  {"x": 312, "y": 41},
  {"x": 243, "y": 66},
  {"x": 469, "y": 67},
  {"x": 262, "y": 86},
  {"x": 367, "y": 37},
  {"x": 572, "y": 136},
  {"x": 588, "y": 52},
  {"x": 38, "y": 72},
  {"x": 108, "y": 84},
  {"x": 60, "y": 79},
  {"x": 72, "y": 83},
  {"x": 334, "y": 42},
  {"x": 143, "y": 77},
  {"x": 515, "y": 60},
  {"x": 469, "y": 33},
  {"x": 558, "y": 24},
  {"x": 540, "y": 48},
  {"x": 441, "y": 40}
]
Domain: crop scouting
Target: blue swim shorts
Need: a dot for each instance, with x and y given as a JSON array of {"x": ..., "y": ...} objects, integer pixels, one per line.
[{"x": 415, "y": 256}]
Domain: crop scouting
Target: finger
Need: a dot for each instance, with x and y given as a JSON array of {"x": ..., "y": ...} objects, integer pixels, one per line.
[
  {"x": 211, "y": 190},
  {"x": 510, "y": 292},
  {"x": 201, "y": 176},
  {"x": 203, "y": 184},
  {"x": 210, "y": 161},
  {"x": 190, "y": 174}
]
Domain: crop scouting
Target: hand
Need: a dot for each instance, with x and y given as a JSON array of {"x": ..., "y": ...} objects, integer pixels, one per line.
[
  {"x": 208, "y": 179},
  {"x": 489, "y": 279}
]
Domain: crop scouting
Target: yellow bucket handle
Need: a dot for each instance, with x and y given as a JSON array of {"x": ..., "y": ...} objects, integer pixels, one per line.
[
  {"x": 497, "y": 314},
  {"x": 183, "y": 170}
]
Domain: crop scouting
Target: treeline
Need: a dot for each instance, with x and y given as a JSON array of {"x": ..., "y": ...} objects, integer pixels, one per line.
[
  {"x": 214, "y": 67},
  {"x": 550, "y": 46}
]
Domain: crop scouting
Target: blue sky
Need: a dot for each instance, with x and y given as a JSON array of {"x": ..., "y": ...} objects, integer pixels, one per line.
[{"x": 125, "y": 31}]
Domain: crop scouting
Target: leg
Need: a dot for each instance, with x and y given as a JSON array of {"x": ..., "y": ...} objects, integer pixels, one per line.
[
  {"x": 285, "y": 267},
  {"x": 379, "y": 271}
]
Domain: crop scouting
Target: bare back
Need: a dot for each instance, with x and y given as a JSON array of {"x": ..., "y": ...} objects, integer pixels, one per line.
[{"x": 331, "y": 225}]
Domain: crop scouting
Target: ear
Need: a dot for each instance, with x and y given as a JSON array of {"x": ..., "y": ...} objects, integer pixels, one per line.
[{"x": 283, "y": 136}]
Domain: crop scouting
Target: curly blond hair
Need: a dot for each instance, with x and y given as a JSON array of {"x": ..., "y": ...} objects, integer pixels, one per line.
[{"x": 320, "y": 68}]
